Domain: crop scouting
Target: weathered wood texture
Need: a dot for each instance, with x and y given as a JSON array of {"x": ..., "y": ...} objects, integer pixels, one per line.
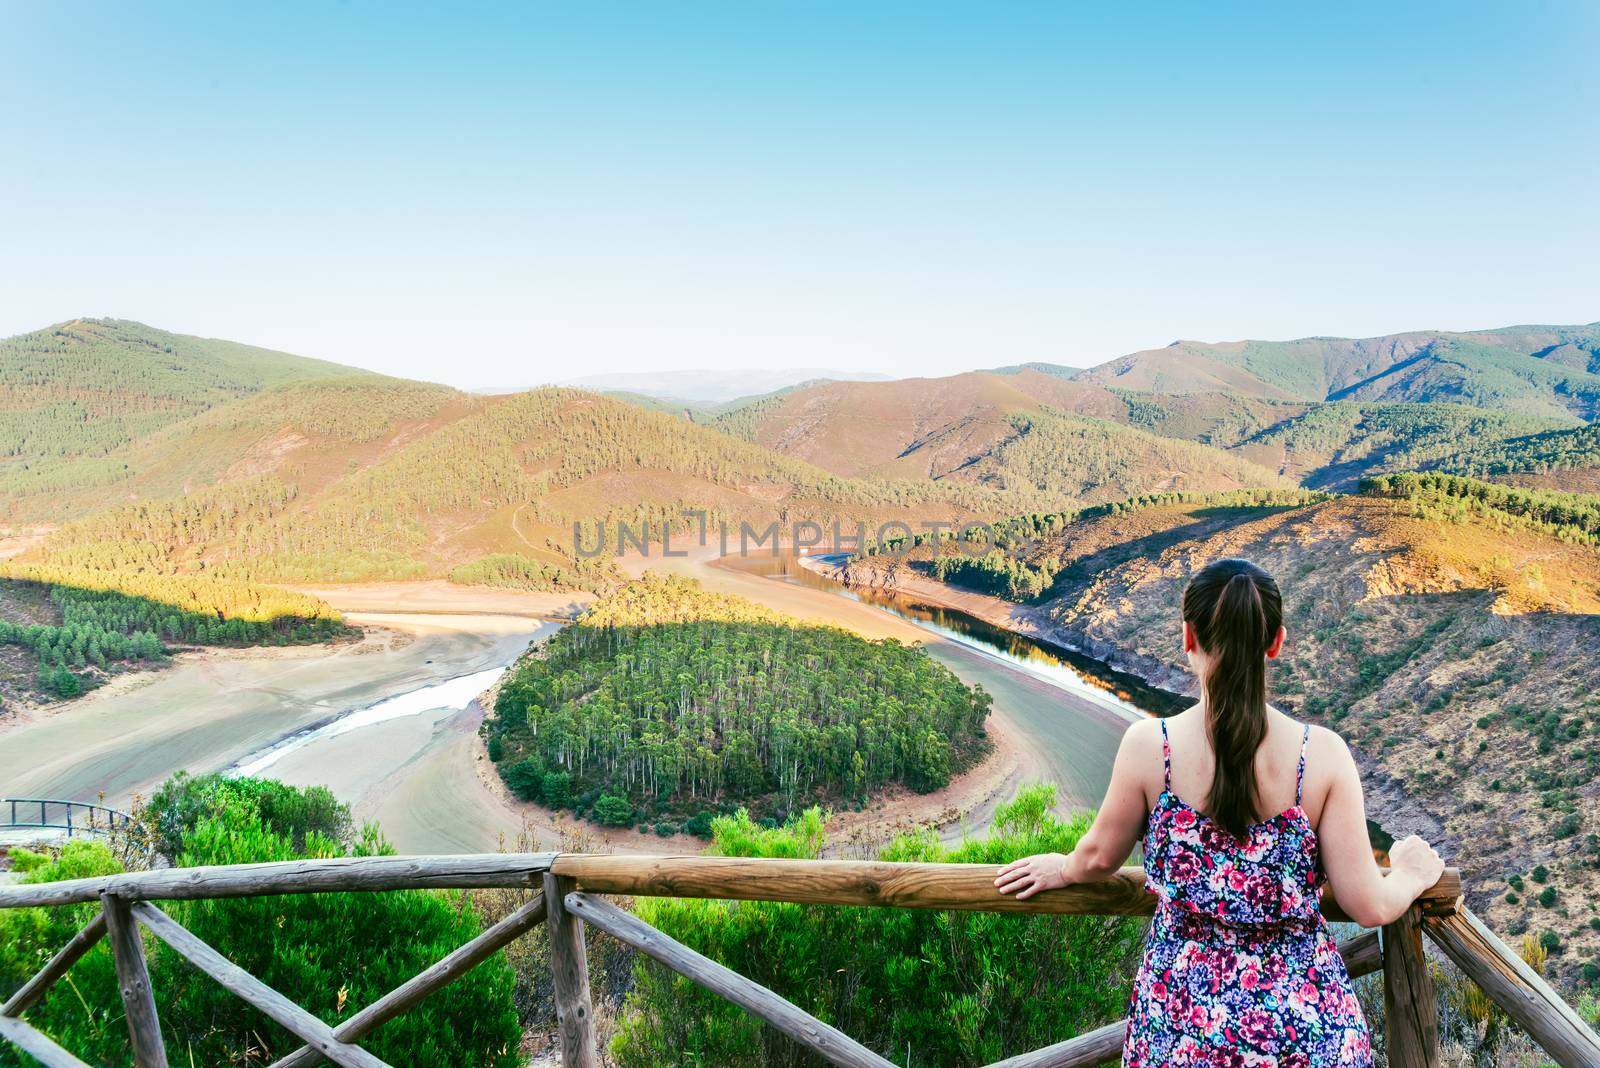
[
  {"x": 1516, "y": 988},
  {"x": 252, "y": 991},
  {"x": 569, "y": 968},
  {"x": 465, "y": 872},
  {"x": 1362, "y": 954},
  {"x": 966, "y": 887},
  {"x": 133, "y": 982},
  {"x": 69, "y": 954},
  {"x": 1411, "y": 1007},
  {"x": 1102, "y": 1045},
  {"x": 410, "y": 993},
  {"x": 827, "y": 1042},
  {"x": 36, "y": 1044}
]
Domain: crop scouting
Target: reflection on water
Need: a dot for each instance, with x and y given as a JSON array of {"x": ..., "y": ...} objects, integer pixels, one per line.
[{"x": 1058, "y": 665}]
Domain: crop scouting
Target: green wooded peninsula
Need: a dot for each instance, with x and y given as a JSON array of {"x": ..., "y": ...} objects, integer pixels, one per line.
[{"x": 667, "y": 703}]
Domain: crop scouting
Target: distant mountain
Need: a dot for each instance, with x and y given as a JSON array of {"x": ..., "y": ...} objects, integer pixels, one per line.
[
  {"x": 1060, "y": 370},
  {"x": 1531, "y": 370},
  {"x": 706, "y": 388},
  {"x": 1028, "y": 432},
  {"x": 86, "y": 387}
]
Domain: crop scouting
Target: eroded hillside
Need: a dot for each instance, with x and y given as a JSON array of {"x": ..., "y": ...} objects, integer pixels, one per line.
[{"x": 1454, "y": 648}]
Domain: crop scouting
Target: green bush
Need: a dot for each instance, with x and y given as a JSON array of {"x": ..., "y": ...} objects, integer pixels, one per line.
[
  {"x": 1540, "y": 873},
  {"x": 184, "y": 801},
  {"x": 523, "y": 779},
  {"x": 332, "y": 953},
  {"x": 558, "y": 789},
  {"x": 1550, "y": 941},
  {"x": 60, "y": 682},
  {"x": 613, "y": 811},
  {"x": 1547, "y": 897},
  {"x": 964, "y": 987}
]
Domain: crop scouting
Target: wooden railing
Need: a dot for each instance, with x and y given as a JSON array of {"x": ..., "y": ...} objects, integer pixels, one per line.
[
  {"x": 569, "y": 889},
  {"x": 48, "y": 813}
]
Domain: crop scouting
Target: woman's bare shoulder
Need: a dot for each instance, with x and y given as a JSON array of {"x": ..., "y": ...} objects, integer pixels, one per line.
[{"x": 1328, "y": 743}]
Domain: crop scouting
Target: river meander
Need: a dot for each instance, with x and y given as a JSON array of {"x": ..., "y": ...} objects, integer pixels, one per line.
[{"x": 389, "y": 723}]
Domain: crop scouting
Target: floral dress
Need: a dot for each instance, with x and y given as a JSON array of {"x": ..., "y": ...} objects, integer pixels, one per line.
[{"x": 1239, "y": 969}]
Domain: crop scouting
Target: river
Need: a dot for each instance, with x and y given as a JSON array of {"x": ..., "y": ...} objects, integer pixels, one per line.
[{"x": 389, "y": 722}]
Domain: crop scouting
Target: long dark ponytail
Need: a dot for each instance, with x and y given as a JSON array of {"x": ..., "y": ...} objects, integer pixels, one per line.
[{"x": 1235, "y": 610}]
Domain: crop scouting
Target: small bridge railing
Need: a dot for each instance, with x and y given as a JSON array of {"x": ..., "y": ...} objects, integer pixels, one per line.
[
  {"x": 51, "y": 814},
  {"x": 569, "y": 889}
]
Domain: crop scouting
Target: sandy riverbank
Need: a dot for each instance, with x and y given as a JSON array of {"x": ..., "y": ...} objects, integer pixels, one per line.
[{"x": 215, "y": 707}]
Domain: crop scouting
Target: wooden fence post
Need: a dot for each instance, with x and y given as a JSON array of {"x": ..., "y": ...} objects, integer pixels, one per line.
[
  {"x": 569, "y": 964},
  {"x": 133, "y": 979},
  {"x": 1411, "y": 1007}
]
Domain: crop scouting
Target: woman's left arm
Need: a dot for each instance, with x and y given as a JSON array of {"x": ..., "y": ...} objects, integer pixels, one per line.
[{"x": 1100, "y": 853}]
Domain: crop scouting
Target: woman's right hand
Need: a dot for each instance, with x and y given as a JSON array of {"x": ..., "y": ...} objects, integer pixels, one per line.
[{"x": 1418, "y": 859}]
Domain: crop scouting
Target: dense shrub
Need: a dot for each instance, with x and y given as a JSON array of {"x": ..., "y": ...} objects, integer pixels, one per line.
[
  {"x": 332, "y": 953},
  {"x": 297, "y": 813},
  {"x": 965, "y": 988}
]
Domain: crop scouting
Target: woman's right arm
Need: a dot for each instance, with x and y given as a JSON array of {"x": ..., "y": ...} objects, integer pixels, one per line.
[{"x": 1368, "y": 895}]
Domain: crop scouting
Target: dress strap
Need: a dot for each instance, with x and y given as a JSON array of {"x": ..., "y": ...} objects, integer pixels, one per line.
[
  {"x": 1300, "y": 773},
  {"x": 1166, "y": 757}
]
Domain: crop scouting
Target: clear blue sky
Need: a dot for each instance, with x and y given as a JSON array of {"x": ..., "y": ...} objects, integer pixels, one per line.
[{"x": 519, "y": 194}]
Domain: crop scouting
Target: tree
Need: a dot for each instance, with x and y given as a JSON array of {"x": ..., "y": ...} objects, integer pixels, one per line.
[{"x": 613, "y": 811}]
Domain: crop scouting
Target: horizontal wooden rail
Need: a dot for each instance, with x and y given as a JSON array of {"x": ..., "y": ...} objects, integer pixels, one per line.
[
  {"x": 470, "y": 871},
  {"x": 251, "y": 990},
  {"x": 961, "y": 887}
]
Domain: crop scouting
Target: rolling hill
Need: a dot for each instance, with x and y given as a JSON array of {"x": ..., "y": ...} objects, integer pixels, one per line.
[
  {"x": 375, "y": 478},
  {"x": 85, "y": 387},
  {"x": 1532, "y": 370},
  {"x": 1025, "y": 431}
]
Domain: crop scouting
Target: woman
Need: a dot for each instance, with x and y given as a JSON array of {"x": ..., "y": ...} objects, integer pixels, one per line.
[{"x": 1239, "y": 968}]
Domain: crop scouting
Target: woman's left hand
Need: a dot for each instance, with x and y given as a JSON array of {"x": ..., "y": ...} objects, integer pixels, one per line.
[{"x": 1029, "y": 875}]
